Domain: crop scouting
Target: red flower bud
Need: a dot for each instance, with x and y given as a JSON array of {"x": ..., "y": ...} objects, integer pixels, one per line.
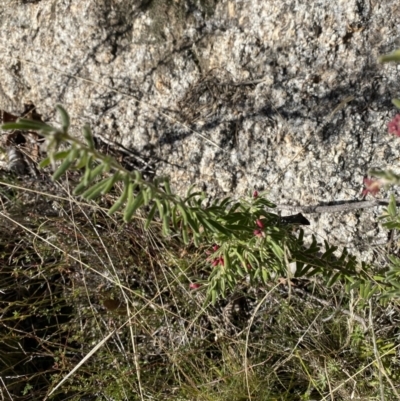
[
  {"x": 194, "y": 286},
  {"x": 394, "y": 125},
  {"x": 259, "y": 223},
  {"x": 255, "y": 194},
  {"x": 371, "y": 186}
]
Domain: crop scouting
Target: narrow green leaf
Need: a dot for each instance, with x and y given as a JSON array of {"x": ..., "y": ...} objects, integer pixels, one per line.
[
  {"x": 131, "y": 194},
  {"x": 146, "y": 195},
  {"x": 308, "y": 270},
  {"x": 242, "y": 270},
  {"x": 237, "y": 206},
  {"x": 83, "y": 161},
  {"x": 150, "y": 216},
  {"x": 394, "y": 56},
  {"x": 160, "y": 207},
  {"x": 192, "y": 222},
  {"x": 185, "y": 235},
  {"x": 183, "y": 212},
  {"x": 235, "y": 217},
  {"x": 95, "y": 172},
  {"x": 79, "y": 188},
  {"x": 167, "y": 206},
  {"x": 167, "y": 187},
  {"x": 174, "y": 217},
  {"x": 58, "y": 156},
  {"x": 64, "y": 117},
  {"x": 396, "y": 102},
  {"x": 392, "y": 206},
  {"x": 118, "y": 204},
  {"x": 227, "y": 260},
  {"x": 203, "y": 222},
  {"x": 222, "y": 285},
  {"x": 224, "y": 203},
  {"x": 332, "y": 280},
  {"x": 73, "y": 153},
  {"x": 213, "y": 225},
  {"x": 45, "y": 162},
  {"x": 391, "y": 225},
  {"x": 24, "y": 124},
  {"x": 87, "y": 134},
  {"x": 133, "y": 205},
  {"x": 218, "y": 227},
  {"x": 241, "y": 258},
  {"x": 264, "y": 275},
  {"x": 62, "y": 169},
  {"x": 157, "y": 181},
  {"x": 276, "y": 249},
  {"x": 165, "y": 226},
  {"x": 137, "y": 176},
  {"x": 265, "y": 203},
  {"x": 108, "y": 183},
  {"x": 191, "y": 196},
  {"x": 152, "y": 191},
  {"x": 214, "y": 296},
  {"x": 239, "y": 228},
  {"x": 196, "y": 240},
  {"x": 88, "y": 170},
  {"x": 95, "y": 190},
  {"x": 108, "y": 160},
  {"x": 111, "y": 182}
]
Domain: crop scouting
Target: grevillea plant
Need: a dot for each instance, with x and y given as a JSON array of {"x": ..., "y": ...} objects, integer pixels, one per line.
[
  {"x": 391, "y": 216},
  {"x": 244, "y": 239},
  {"x": 386, "y": 178}
]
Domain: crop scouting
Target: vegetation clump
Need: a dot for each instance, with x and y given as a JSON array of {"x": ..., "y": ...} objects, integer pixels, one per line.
[{"x": 113, "y": 287}]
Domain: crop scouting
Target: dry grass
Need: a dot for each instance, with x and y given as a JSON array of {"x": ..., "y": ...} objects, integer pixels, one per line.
[{"x": 107, "y": 308}]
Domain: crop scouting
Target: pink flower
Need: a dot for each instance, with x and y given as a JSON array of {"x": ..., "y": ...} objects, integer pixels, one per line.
[
  {"x": 394, "y": 125},
  {"x": 218, "y": 261},
  {"x": 215, "y": 248},
  {"x": 371, "y": 186},
  {"x": 258, "y": 233},
  {"x": 255, "y": 194},
  {"x": 259, "y": 223},
  {"x": 194, "y": 286}
]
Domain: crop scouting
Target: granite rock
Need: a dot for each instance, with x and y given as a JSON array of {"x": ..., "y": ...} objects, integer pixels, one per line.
[{"x": 230, "y": 95}]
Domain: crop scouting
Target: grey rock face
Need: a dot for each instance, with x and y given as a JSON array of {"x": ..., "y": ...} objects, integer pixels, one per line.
[{"x": 233, "y": 95}]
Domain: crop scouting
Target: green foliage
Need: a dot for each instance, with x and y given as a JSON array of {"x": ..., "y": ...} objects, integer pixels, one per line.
[
  {"x": 391, "y": 215},
  {"x": 248, "y": 241},
  {"x": 290, "y": 348},
  {"x": 394, "y": 56}
]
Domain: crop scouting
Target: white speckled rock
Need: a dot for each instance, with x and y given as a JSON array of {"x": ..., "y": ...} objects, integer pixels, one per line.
[{"x": 144, "y": 75}]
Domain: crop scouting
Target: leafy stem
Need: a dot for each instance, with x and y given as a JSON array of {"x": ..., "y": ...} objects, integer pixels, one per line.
[{"x": 248, "y": 242}]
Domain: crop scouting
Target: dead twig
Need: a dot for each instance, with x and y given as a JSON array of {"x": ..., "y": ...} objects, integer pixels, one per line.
[{"x": 338, "y": 206}]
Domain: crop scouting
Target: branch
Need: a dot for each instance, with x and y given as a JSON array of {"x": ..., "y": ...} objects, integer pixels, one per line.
[{"x": 338, "y": 206}]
